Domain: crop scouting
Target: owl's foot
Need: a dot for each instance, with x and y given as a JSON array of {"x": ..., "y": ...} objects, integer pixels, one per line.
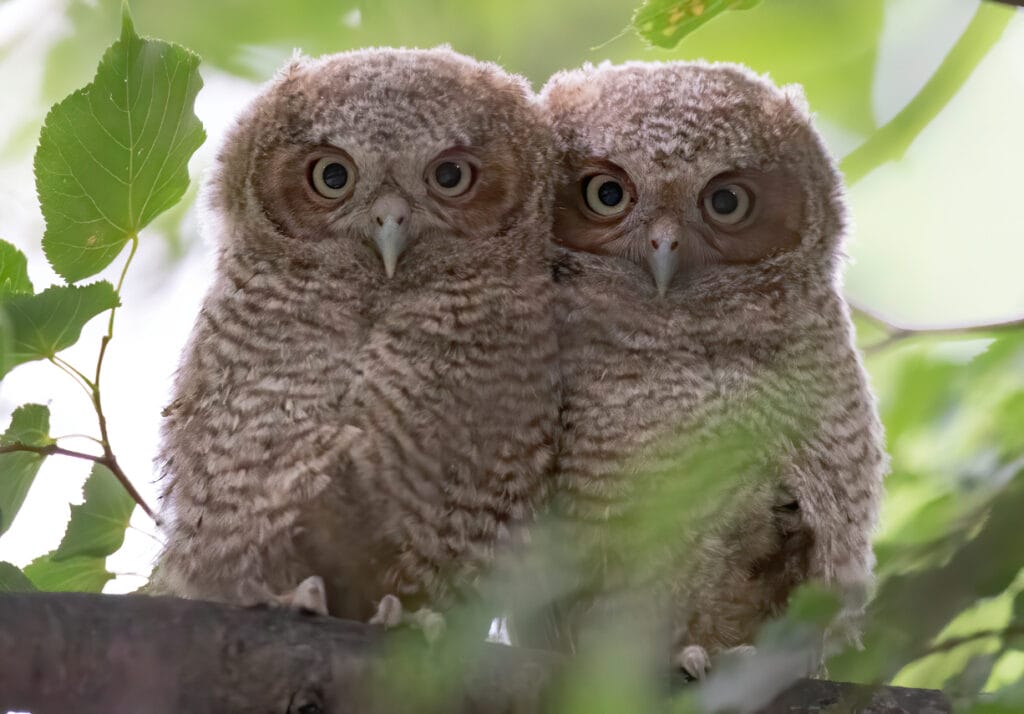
[
  {"x": 309, "y": 596},
  {"x": 695, "y": 661},
  {"x": 390, "y": 613}
]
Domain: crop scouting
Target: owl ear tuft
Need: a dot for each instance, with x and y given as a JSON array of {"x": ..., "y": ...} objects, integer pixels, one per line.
[
  {"x": 571, "y": 92},
  {"x": 797, "y": 99},
  {"x": 295, "y": 64}
]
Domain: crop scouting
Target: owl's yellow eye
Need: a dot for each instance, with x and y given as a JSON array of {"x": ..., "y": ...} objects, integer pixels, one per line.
[
  {"x": 451, "y": 175},
  {"x": 728, "y": 204},
  {"x": 333, "y": 176},
  {"x": 605, "y": 195}
]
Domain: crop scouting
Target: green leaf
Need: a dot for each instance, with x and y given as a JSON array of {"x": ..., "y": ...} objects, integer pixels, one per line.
[
  {"x": 30, "y": 424},
  {"x": 97, "y": 526},
  {"x": 42, "y": 325},
  {"x": 665, "y": 22},
  {"x": 13, "y": 580},
  {"x": 5, "y": 342},
  {"x": 13, "y": 271},
  {"x": 80, "y": 574},
  {"x": 114, "y": 155},
  {"x": 831, "y": 51}
]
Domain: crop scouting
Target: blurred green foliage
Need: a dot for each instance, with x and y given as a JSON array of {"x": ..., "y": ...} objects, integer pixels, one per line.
[{"x": 949, "y": 610}]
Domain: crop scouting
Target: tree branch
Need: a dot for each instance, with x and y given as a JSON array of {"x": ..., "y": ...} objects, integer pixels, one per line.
[
  {"x": 1010, "y": 631},
  {"x": 893, "y": 139},
  {"x": 107, "y": 459},
  {"x": 49, "y": 450},
  {"x": 84, "y": 653},
  {"x": 896, "y": 333}
]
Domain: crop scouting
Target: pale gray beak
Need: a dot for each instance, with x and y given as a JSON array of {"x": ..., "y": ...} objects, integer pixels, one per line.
[
  {"x": 663, "y": 254},
  {"x": 391, "y": 213},
  {"x": 390, "y": 238}
]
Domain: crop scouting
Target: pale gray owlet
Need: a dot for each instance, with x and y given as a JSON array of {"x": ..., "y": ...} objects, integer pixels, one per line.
[
  {"x": 702, "y": 218},
  {"x": 369, "y": 392}
]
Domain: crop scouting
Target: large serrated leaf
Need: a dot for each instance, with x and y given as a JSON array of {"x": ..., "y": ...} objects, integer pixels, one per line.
[
  {"x": 42, "y": 325},
  {"x": 30, "y": 424},
  {"x": 13, "y": 271},
  {"x": 13, "y": 580},
  {"x": 97, "y": 526},
  {"x": 665, "y": 22},
  {"x": 81, "y": 574},
  {"x": 114, "y": 155}
]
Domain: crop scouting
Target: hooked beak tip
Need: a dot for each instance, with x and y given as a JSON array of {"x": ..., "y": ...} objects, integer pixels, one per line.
[
  {"x": 390, "y": 239},
  {"x": 664, "y": 263}
]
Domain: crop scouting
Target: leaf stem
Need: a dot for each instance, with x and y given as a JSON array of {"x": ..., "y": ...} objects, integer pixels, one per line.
[
  {"x": 80, "y": 378},
  {"x": 891, "y": 141},
  {"x": 93, "y": 439},
  {"x": 108, "y": 459}
]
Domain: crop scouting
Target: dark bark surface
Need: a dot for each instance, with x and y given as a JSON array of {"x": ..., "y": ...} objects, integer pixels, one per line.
[{"x": 70, "y": 652}]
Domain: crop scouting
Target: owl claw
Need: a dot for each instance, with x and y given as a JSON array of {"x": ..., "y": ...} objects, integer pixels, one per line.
[
  {"x": 432, "y": 623},
  {"x": 390, "y": 613},
  {"x": 695, "y": 661},
  {"x": 309, "y": 596}
]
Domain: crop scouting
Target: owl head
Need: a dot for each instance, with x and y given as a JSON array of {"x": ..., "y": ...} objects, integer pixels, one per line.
[
  {"x": 699, "y": 178},
  {"x": 391, "y": 157}
]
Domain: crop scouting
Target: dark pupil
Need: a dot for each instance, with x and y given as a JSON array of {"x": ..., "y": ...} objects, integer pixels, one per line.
[
  {"x": 448, "y": 175},
  {"x": 610, "y": 193},
  {"x": 724, "y": 201},
  {"x": 335, "y": 176}
]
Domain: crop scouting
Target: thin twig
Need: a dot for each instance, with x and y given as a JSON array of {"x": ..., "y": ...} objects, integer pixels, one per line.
[
  {"x": 954, "y": 642},
  {"x": 93, "y": 439},
  {"x": 71, "y": 368},
  {"x": 75, "y": 375},
  {"x": 107, "y": 459},
  {"x": 893, "y": 139},
  {"x": 49, "y": 450},
  {"x": 147, "y": 534},
  {"x": 896, "y": 333}
]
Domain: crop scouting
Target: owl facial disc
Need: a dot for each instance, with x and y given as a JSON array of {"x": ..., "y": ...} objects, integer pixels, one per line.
[
  {"x": 663, "y": 253},
  {"x": 390, "y": 213}
]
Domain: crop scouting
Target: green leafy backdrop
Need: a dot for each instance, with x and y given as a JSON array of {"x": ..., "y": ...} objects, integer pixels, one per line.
[{"x": 113, "y": 153}]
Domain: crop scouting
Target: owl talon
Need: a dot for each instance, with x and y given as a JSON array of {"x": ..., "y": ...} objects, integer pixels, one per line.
[
  {"x": 694, "y": 661},
  {"x": 389, "y": 612},
  {"x": 431, "y": 623},
  {"x": 309, "y": 596}
]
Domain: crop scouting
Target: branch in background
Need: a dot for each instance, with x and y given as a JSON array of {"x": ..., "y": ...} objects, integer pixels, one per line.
[
  {"x": 1005, "y": 633},
  {"x": 164, "y": 655},
  {"x": 896, "y": 333},
  {"x": 893, "y": 139}
]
